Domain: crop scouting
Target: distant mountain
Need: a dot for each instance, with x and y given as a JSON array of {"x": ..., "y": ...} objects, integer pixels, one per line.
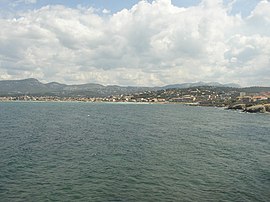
[
  {"x": 32, "y": 86},
  {"x": 11, "y": 87},
  {"x": 55, "y": 85},
  {"x": 189, "y": 85},
  {"x": 255, "y": 89}
]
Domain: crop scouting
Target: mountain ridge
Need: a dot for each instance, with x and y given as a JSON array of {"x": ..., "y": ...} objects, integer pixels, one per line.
[
  {"x": 32, "y": 86},
  {"x": 200, "y": 83}
]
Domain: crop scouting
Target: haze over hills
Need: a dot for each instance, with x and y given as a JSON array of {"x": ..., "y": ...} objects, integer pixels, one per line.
[
  {"x": 32, "y": 86},
  {"x": 189, "y": 85}
]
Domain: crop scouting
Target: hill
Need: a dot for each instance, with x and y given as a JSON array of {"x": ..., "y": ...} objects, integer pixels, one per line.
[
  {"x": 34, "y": 87},
  {"x": 190, "y": 85}
]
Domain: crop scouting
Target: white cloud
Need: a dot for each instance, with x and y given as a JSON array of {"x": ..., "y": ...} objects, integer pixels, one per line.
[
  {"x": 26, "y": 1},
  {"x": 18, "y": 2},
  {"x": 150, "y": 44},
  {"x": 105, "y": 11}
]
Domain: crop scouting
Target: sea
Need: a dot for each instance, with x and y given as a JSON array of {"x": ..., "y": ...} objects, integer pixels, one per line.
[{"x": 76, "y": 151}]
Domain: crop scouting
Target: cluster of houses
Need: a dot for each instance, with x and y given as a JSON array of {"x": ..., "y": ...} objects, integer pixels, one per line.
[
  {"x": 245, "y": 99},
  {"x": 199, "y": 96},
  {"x": 196, "y": 96}
]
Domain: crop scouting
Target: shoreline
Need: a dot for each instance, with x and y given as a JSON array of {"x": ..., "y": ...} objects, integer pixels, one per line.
[{"x": 230, "y": 108}]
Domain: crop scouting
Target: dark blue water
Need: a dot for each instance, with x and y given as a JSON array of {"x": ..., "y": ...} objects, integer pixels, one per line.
[{"x": 132, "y": 152}]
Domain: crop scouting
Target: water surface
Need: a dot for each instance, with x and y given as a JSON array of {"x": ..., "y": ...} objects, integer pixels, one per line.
[{"x": 132, "y": 152}]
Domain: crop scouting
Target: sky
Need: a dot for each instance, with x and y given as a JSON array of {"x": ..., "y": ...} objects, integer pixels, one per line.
[{"x": 136, "y": 43}]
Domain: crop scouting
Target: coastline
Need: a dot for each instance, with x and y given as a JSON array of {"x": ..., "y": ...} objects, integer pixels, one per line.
[{"x": 254, "y": 109}]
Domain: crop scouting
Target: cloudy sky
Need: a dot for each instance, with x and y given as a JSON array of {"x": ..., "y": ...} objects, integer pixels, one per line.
[{"x": 129, "y": 42}]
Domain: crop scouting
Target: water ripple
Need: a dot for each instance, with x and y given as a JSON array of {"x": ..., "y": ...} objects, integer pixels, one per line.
[{"x": 106, "y": 152}]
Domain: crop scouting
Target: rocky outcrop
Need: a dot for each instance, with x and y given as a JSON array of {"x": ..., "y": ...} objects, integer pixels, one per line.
[
  {"x": 262, "y": 108},
  {"x": 267, "y": 107},
  {"x": 238, "y": 107},
  {"x": 256, "y": 109}
]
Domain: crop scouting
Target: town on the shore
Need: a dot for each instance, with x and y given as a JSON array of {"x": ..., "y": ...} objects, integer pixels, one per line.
[{"x": 230, "y": 98}]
